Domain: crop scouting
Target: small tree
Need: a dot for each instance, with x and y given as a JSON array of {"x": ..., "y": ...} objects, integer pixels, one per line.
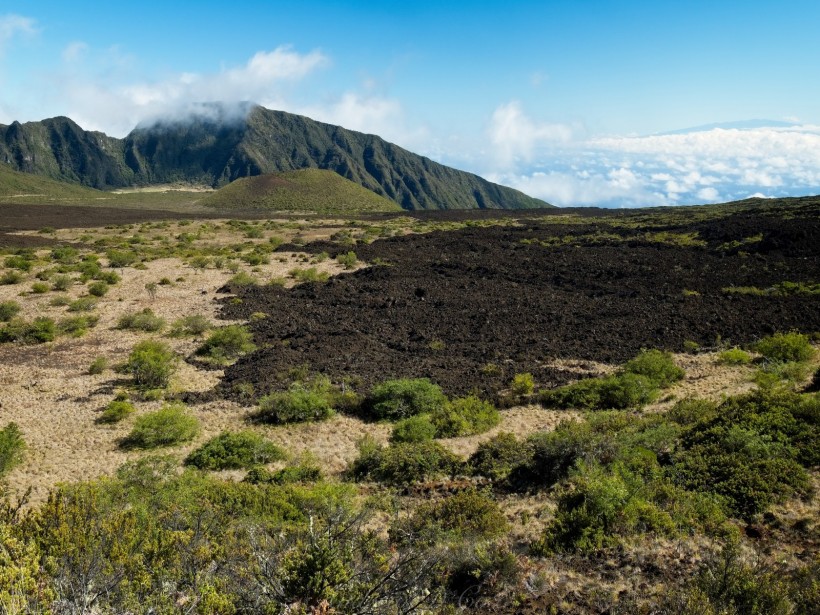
[{"x": 151, "y": 363}]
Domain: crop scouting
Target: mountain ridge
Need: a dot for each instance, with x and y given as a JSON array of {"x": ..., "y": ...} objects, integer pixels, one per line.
[{"x": 221, "y": 144}]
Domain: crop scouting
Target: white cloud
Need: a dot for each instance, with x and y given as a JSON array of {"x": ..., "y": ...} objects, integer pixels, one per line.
[
  {"x": 110, "y": 102},
  {"x": 515, "y": 136},
  {"x": 12, "y": 25}
]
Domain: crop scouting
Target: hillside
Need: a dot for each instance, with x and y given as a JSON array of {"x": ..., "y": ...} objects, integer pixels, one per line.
[
  {"x": 303, "y": 190},
  {"x": 22, "y": 187},
  {"x": 217, "y": 144}
]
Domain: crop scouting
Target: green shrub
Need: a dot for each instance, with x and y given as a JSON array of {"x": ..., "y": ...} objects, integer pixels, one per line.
[
  {"x": 83, "y": 304},
  {"x": 145, "y": 320},
  {"x": 234, "y": 450},
  {"x": 464, "y": 416},
  {"x": 12, "y": 448},
  {"x": 61, "y": 282},
  {"x": 18, "y": 262},
  {"x": 399, "y": 399},
  {"x": 170, "y": 425},
  {"x": 734, "y": 356},
  {"x": 348, "y": 260},
  {"x": 60, "y": 301},
  {"x": 226, "y": 344},
  {"x": 98, "y": 366},
  {"x": 466, "y": 515},
  {"x": 38, "y": 288},
  {"x": 65, "y": 255},
  {"x": 151, "y": 364},
  {"x": 98, "y": 289},
  {"x": 403, "y": 463},
  {"x": 8, "y": 310},
  {"x": 311, "y": 274},
  {"x": 621, "y": 391},
  {"x": 243, "y": 279},
  {"x": 522, "y": 384},
  {"x": 38, "y": 331},
  {"x": 496, "y": 457},
  {"x": 11, "y": 277},
  {"x": 117, "y": 259},
  {"x": 115, "y": 411},
  {"x": 690, "y": 411},
  {"x": 658, "y": 366},
  {"x": 77, "y": 326},
  {"x": 304, "y": 469},
  {"x": 302, "y": 402},
  {"x": 786, "y": 347},
  {"x": 413, "y": 429},
  {"x": 108, "y": 277},
  {"x": 195, "y": 324}
]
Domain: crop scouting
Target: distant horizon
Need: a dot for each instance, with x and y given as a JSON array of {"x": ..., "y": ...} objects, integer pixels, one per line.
[{"x": 617, "y": 105}]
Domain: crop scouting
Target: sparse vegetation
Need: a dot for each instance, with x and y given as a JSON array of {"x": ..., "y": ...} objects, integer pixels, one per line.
[{"x": 116, "y": 411}]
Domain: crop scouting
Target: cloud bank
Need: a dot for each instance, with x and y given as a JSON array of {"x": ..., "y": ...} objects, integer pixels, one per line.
[{"x": 701, "y": 166}]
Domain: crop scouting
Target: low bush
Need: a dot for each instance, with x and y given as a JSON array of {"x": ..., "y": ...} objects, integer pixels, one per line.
[
  {"x": 12, "y": 448},
  {"x": 39, "y": 288},
  {"x": 302, "y": 470},
  {"x": 618, "y": 392},
  {"x": 302, "y": 402},
  {"x": 195, "y": 324},
  {"x": 168, "y": 426},
  {"x": 144, "y": 320},
  {"x": 402, "y": 398},
  {"x": 348, "y": 260},
  {"x": 464, "y": 416},
  {"x": 151, "y": 364},
  {"x": 495, "y": 458},
  {"x": 226, "y": 344},
  {"x": 118, "y": 259},
  {"x": 657, "y": 366},
  {"x": 83, "y": 304},
  {"x": 115, "y": 412},
  {"x": 38, "y": 331},
  {"x": 98, "y": 289},
  {"x": 77, "y": 326},
  {"x": 11, "y": 277},
  {"x": 98, "y": 366},
  {"x": 243, "y": 279},
  {"x": 8, "y": 310},
  {"x": 19, "y": 262},
  {"x": 61, "y": 282},
  {"x": 465, "y": 516},
  {"x": 690, "y": 411},
  {"x": 403, "y": 463},
  {"x": 414, "y": 429},
  {"x": 234, "y": 450},
  {"x": 734, "y": 356},
  {"x": 311, "y": 274},
  {"x": 785, "y": 347},
  {"x": 522, "y": 384}
]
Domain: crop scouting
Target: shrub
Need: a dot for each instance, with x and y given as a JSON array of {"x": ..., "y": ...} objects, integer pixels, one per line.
[
  {"x": 657, "y": 366},
  {"x": 403, "y": 463},
  {"x": 621, "y": 391},
  {"x": 784, "y": 347},
  {"x": 109, "y": 277},
  {"x": 60, "y": 301},
  {"x": 243, "y": 279},
  {"x": 98, "y": 289},
  {"x": 496, "y": 457},
  {"x": 145, "y": 320},
  {"x": 226, "y": 344},
  {"x": 77, "y": 326},
  {"x": 464, "y": 416},
  {"x": 348, "y": 260},
  {"x": 522, "y": 384},
  {"x": 398, "y": 399},
  {"x": 11, "y": 277},
  {"x": 304, "y": 469},
  {"x": 61, "y": 282},
  {"x": 413, "y": 429},
  {"x": 151, "y": 364},
  {"x": 311, "y": 274},
  {"x": 170, "y": 425},
  {"x": 734, "y": 356},
  {"x": 8, "y": 310},
  {"x": 466, "y": 515},
  {"x": 115, "y": 411},
  {"x": 118, "y": 259},
  {"x": 12, "y": 448},
  {"x": 234, "y": 450},
  {"x": 38, "y": 331},
  {"x": 83, "y": 304},
  {"x": 302, "y": 402},
  {"x": 38, "y": 288},
  {"x": 195, "y": 324},
  {"x": 18, "y": 262},
  {"x": 690, "y": 411},
  {"x": 98, "y": 366}
]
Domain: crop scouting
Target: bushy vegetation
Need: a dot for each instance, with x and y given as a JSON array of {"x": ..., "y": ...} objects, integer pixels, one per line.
[
  {"x": 402, "y": 398},
  {"x": 416, "y": 428},
  {"x": 170, "y": 425},
  {"x": 38, "y": 331},
  {"x": 194, "y": 324},
  {"x": 8, "y": 310},
  {"x": 734, "y": 356},
  {"x": 403, "y": 463},
  {"x": 116, "y": 411},
  {"x": 235, "y": 450},
  {"x": 12, "y": 448},
  {"x": 785, "y": 347},
  {"x": 464, "y": 416},
  {"x": 303, "y": 401},
  {"x": 151, "y": 364},
  {"x": 226, "y": 344},
  {"x": 144, "y": 320}
]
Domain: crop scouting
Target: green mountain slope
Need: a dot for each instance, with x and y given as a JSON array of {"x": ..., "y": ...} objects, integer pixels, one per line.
[
  {"x": 217, "y": 144},
  {"x": 24, "y": 187},
  {"x": 303, "y": 190}
]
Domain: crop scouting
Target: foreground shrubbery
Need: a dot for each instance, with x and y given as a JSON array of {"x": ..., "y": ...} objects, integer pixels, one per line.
[
  {"x": 399, "y": 399},
  {"x": 403, "y": 463},
  {"x": 234, "y": 450}
]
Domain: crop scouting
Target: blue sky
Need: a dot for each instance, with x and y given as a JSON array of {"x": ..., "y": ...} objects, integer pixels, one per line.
[{"x": 569, "y": 101}]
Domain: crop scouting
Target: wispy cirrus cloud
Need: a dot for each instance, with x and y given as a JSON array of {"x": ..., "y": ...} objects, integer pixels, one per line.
[{"x": 12, "y": 25}]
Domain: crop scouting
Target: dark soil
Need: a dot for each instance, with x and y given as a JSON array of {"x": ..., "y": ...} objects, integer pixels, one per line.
[{"x": 471, "y": 308}]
